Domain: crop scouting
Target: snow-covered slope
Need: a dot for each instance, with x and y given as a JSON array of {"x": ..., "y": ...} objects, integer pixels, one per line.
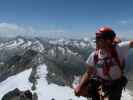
[
  {"x": 17, "y": 81},
  {"x": 44, "y": 90},
  {"x": 49, "y": 91}
]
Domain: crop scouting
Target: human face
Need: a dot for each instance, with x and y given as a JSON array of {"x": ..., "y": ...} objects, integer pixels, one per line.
[
  {"x": 103, "y": 43},
  {"x": 100, "y": 43},
  {"x": 108, "y": 42}
]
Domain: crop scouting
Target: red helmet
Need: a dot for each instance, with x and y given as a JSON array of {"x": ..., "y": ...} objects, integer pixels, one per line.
[{"x": 105, "y": 32}]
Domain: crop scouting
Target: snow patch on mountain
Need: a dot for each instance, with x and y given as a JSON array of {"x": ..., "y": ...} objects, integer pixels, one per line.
[
  {"x": 27, "y": 44},
  {"x": 23, "y": 43},
  {"x": 13, "y": 43},
  {"x": 38, "y": 46},
  {"x": 83, "y": 44},
  {"x": 1, "y": 45},
  {"x": 62, "y": 50}
]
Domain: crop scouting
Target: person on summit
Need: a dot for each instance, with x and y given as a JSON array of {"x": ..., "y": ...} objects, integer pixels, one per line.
[{"x": 105, "y": 66}]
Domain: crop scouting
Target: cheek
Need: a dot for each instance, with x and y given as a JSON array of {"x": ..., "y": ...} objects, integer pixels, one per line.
[{"x": 101, "y": 44}]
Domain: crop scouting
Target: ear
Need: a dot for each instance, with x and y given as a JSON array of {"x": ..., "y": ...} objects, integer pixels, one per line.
[
  {"x": 131, "y": 44},
  {"x": 116, "y": 40}
]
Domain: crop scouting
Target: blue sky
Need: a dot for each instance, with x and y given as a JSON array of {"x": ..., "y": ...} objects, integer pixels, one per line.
[{"x": 65, "y": 18}]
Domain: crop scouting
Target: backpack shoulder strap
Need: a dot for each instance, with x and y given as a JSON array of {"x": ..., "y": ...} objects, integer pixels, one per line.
[
  {"x": 114, "y": 54},
  {"x": 120, "y": 62},
  {"x": 96, "y": 56}
]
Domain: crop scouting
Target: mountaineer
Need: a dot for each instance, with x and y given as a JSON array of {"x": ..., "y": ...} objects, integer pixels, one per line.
[{"x": 104, "y": 77}]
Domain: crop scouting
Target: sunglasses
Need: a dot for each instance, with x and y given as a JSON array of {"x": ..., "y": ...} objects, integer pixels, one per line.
[{"x": 99, "y": 40}]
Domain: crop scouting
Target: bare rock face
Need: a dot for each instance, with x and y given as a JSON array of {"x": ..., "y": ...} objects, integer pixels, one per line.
[{"x": 16, "y": 94}]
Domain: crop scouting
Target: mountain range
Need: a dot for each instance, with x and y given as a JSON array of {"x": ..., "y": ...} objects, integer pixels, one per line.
[{"x": 54, "y": 63}]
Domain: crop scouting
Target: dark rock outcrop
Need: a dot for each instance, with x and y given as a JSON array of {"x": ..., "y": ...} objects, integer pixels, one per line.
[
  {"x": 16, "y": 94},
  {"x": 16, "y": 64}
]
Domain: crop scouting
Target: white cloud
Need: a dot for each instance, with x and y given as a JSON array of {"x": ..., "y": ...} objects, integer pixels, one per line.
[
  {"x": 8, "y": 29},
  {"x": 124, "y": 22}
]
